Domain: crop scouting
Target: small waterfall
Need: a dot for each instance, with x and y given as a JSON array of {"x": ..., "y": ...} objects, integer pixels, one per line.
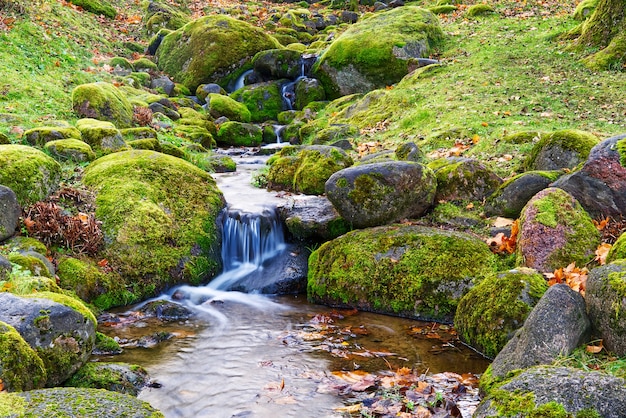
[
  {"x": 239, "y": 82},
  {"x": 278, "y": 130}
]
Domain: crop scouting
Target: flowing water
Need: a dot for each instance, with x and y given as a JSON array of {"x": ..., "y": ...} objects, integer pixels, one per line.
[{"x": 248, "y": 355}]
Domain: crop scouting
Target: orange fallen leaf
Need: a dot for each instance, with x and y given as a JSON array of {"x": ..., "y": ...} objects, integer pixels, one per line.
[
  {"x": 594, "y": 349},
  {"x": 485, "y": 124},
  {"x": 601, "y": 224},
  {"x": 602, "y": 252}
]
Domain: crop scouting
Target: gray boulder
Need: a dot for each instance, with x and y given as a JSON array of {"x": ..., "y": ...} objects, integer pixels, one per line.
[
  {"x": 464, "y": 179},
  {"x": 274, "y": 64},
  {"x": 5, "y": 268},
  {"x": 10, "y": 212},
  {"x": 163, "y": 84},
  {"x": 556, "y": 326},
  {"x": 81, "y": 402},
  {"x": 606, "y": 304},
  {"x": 62, "y": 337},
  {"x": 600, "y": 185},
  {"x": 561, "y": 149},
  {"x": 381, "y": 193},
  {"x": 116, "y": 377},
  {"x": 557, "y": 392},
  {"x": 311, "y": 218},
  {"x": 20, "y": 366}
]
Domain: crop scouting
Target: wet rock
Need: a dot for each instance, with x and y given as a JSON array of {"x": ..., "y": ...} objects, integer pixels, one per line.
[
  {"x": 274, "y": 64},
  {"x": 166, "y": 311},
  {"x": 554, "y": 392},
  {"x": 312, "y": 218},
  {"x": 554, "y": 231},
  {"x": 511, "y": 197},
  {"x": 600, "y": 185},
  {"x": 20, "y": 366},
  {"x": 463, "y": 179},
  {"x": 381, "y": 193},
  {"x": 114, "y": 377},
  {"x": 606, "y": 305},
  {"x": 556, "y": 326},
  {"x": 561, "y": 149},
  {"x": 163, "y": 84},
  {"x": 10, "y": 213},
  {"x": 308, "y": 90},
  {"x": 62, "y": 337}
]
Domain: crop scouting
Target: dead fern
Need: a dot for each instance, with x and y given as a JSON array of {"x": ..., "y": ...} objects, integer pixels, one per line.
[{"x": 142, "y": 115}]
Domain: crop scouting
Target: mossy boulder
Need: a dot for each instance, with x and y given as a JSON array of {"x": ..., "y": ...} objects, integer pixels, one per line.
[
  {"x": 443, "y": 9},
  {"x": 97, "y": 7},
  {"x": 102, "y": 136},
  {"x": 555, "y": 392},
  {"x": 584, "y": 9},
  {"x": 479, "y": 10},
  {"x": 102, "y": 101},
  {"x": 406, "y": 270},
  {"x": 381, "y": 193},
  {"x": 263, "y": 100},
  {"x": 116, "y": 377},
  {"x": 70, "y": 150},
  {"x": 20, "y": 366},
  {"x": 239, "y": 134},
  {"x": 152, "y": 144},
  {"x": 378, "y": 51},
  {"x": 561, "y": 149},
  {"x": 213, "y": 163},
  {"x": 10, "y": 213},
  {"x": 555, "y": 231},
  {"x": 618, "y": 250},
  {"x": 30, "y": 173},
  {"x": 75, "y": 402},
  {"x": 220, "y": 105},
  {"x": 33, "y": 262},
  {"x": 164, "y": 231},
  {"x": 144, "y": 64},
  {"x": 305, "y": 169},
  {"x": 142, "y": 132},
  {"x": 163, "y": 17},
  {"x": 209, "y": 49},
  {"x": 312, "y": 219},
  {"x": 606, "y": 304},
  {"x": 40, "y": 136},
  {"x": 490, "y": 313},
  {"x": 275, "y": 64},
  {"x": 463, "y": 179},
  {"x": 306, "y": 91},
  {"x": 60, "y": 329},
  {"x": 512, "y": 195}
]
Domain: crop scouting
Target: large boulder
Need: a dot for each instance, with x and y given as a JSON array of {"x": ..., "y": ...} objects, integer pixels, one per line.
[
  {"x": 312, "y": 218},
  {"x": 305, "y": 169},
  {"x": 382, "y": 193},
  {"x": 60, "y": 329},
  {"x": 75, "y": 402},
  {"x": 463, "y": 179},
  {"x": 164, "y": 230},
  {"x": 210, "y": 49},
  {"x": 20, "y": 366},
  {"x": 512, "y": 195},
  {"x": 220, "y": 105},
  {"x": 263, "y": 100},
  {"x": 551, "y": 391},
  {"x": 275, "y": 64},
  {"x": 561, "y": 149},
  {"x": 70, "y": 149},
  {"x": 606, "y": 304},
  {"x": 10, "y": 213},
  {"x": 378, "y": 51},
  {"x": 600, "y": 185},
  {"x": 555, "y": 231},
  {"x": 101, "y": 136},
  {"x": 490, "y": 313},
  {"x": 238, "y": 134},
  {"x": 30, "y": 173},
  {"x": 556, "y": 326},
  {"x": 401, "y": 269},
  {"x": 102, "y": 101}
]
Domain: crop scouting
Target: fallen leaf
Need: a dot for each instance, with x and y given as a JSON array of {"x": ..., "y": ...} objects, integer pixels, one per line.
[
  {"x": 350, "y": 409},
  {"x": 602, "y": 252},
  {"x": 502, "y": 222},
  {"x": 594, "y": 349}
]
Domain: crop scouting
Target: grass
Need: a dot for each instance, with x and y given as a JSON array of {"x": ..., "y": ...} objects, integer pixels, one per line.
[{"x": 603, "y": 361}]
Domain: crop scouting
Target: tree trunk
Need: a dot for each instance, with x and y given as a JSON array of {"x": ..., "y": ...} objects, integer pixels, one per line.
[{"x": 606, "y": 29}]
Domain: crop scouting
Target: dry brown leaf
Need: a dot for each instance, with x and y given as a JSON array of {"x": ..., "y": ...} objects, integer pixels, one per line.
[
  {"x": 594, "y": 349},
  {"x": 501, "y": 222},
  {"x": 602, "y": 252},
  {"x": 350, "y": 409}
]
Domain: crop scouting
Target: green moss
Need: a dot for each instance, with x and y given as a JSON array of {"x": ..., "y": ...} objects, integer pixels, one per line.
[
  {"x": 239, "y": 134},
  {"x": 70, "y": 149},
  {"x": 68, "y": 301},
  {"x": 406, "y": 270},
  {"x": 443, "y": 9},
  {"x": 20, "y": 243},
  {"x": 102, "y": 101},
  {"x": 144, "y": 64},
  {"x": 584, "y": 9},
  {"x": 203, "y": 51},
  {"x": 166, "y": 223},
  {"x": 220, "y": 105},
  {"x": 489, "y": 314},
  {"x": 263, "y": 100},
  {"x": 122, "y": 63},
  {"x": 110, "y": 376},
  {"x": 147, "y": 143},
  {"x": 621, "y": 148},
  {"x": 30, "y": 173},
  {"x": 618, "y": 250},
  {"x": 580, "y": 142},
  {"x": 106, "y": 344},
  {"x": 513, "y": 404},
  {"x": 20, "y": 367},
  {"x": 11, "y": 405},
  {"x": 101, "y": 135},
  {"x": 479, "y": 10},
  {"x": 97, "y": 7},
  {"x": 41, "y": 135},
  {"x": 33, "y": 264}
]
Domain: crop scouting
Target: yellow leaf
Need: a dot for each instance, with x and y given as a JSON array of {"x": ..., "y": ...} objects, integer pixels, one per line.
[
  {"x": 351, "y": 409},
  {"x": 485, "y": 124},
  {"x": 594, "y": 349},
  {"x": 602, "y": 252},
  {"x": 502, "y": 222}
]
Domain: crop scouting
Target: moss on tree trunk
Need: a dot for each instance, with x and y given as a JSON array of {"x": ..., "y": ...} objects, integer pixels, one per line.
[{"x": 606, "y": 29}]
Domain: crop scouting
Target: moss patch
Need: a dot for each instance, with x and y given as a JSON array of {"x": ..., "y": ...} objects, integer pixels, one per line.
[
  {"x": 20, "y": 367},
  {"x": 102, "y": 101}
]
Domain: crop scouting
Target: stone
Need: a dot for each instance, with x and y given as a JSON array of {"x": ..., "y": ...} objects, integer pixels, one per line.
[
  {"x": 462, "y": 179},
  {"x": 20, "y": 366},
  {"x": 308, "y": 90},
  {"x": 381, "y": 193},
  {"x": 224, "y": 106},
  {"x": 162, "y": 84},
  {"x": 274, "y": 64},
  {"x": 114, "y": 377},
  {"x": 555, "y": 327},
  {"x": 560, "y": 149},
  {"x": 312, "y": 218},
  {"x": 554, "y": 231},
  {"x": 101, "y": 135},
  {"x": 239, "y": 134},
  {"x": 102, "y": 101},
  {"x": 40, "y": 136},
  {"x": 10, "y": 213},
  {"x": 70, "y": 149},
  {"x": 5, "y": 268},
  {"x": 263, "y": 100},
  {"x": 600, "y": 185}
]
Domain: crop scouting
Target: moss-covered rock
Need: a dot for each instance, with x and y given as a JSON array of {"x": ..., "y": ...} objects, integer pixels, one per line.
[
  {"x": 97, "y": 7},
  {"x": 40, "y": 136},
  {"x": 102, "y": 136},
  {"x": 4, "y": 140},
  {"x": 220, "y": 105},
  {"x": 152, "y": 144},
  {"x": 305, "y": 169},
  {"x": 163, "y": 17},
  {"x": 443, "y": 9},
  {"x": 209, "y": 49},
  {"x": 378, "y": 51},
  {"x": 121, "y": 65},
  {"x": 308, "y": 90},
  {"x": 263, "y": 100},
  {"x": 70, "y": 149},
  {"x": 213, "y": 163},
  {"x": 32, "y": 263},
  {"x": 408, "y": 270},
  {"x": 463, "y": 179},
  {"x": 489, "y": 314},
  {"x": 143, "y": 132},
  {"x": 275, "y": 64},
  {"x": 30, "y": 173},
  {"x": 479, "y": 10},
  {"x": 618, "y": 250},
  {"x": 10, "y": 213},
  {"x": 116, "y": 377},
  {"x": 164, "y": 231},
  {"x": 239, "y": 134},
  {"x": 555, "y": 231},
  {"x": 561, "y": 149},
  {"x": 144, "y": 64},
  {"x": 20, "y": 366},
  {"x": 102, "y": 101},
  {"x": 74, "y": 402}
]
